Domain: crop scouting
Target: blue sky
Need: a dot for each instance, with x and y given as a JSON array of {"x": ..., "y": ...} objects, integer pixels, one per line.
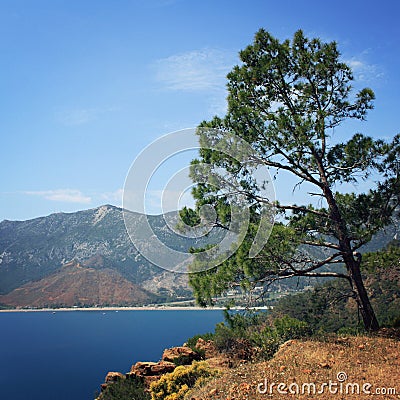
[{"x": 86, "y": 85}]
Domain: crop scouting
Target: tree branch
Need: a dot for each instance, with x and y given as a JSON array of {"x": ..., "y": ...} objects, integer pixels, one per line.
[
  {"x": 303, "y": 209},
  {"x": 321, "y": 244}
]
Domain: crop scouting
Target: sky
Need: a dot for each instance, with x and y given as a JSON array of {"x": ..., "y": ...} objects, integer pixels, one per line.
[{"x": 86, "y": 86}]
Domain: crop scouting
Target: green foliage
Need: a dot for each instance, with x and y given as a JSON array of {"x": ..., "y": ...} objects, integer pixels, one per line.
[
  {"x": 191, "y": 342},
  {"x": 326, "y": 308},
  {"x": 384, "y": 259},
  {"x": 258, "y": 330},
  {"x": 382, "y": 269},
  {"x": 174, "y": 385},
  {"x": 131, "y": 388},
  {"x": 225, "y": 337},
  {"x": 240, "y": 270},
  {"x": 396, "y": 322},
  {"x": 236, "y": 326},
  {"x": 353, "y": 331},
  {"x": 322, "y": 308},
  {"x": 184, "y": 359},
  {"x": 270, "y": 337},
  {"x": 284, "y": 101}
]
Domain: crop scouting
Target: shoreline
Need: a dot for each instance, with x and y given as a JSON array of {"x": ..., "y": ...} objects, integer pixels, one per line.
[
  {"x": 103, "y": 309},
  {"x": 133, "y": 308}
]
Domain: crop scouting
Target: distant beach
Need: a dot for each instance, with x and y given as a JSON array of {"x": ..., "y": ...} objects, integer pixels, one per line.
[
  {"x": 144, "y": 308},
  {"x": 137, "y": 308}
]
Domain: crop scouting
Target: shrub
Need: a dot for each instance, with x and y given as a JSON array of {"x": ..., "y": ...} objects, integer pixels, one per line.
[
  {"x": 241, "y": 332},
  {"x": 191, "y": 342},
  {"x": 176, "y": 384},
  {"x": 291, "y": 328},
  {"x": 131, "y": 388},
  {"x": 270, "y": 337},
  {"x": 224, "y": 337},
  {"x": 350, "y": 330},
  {"x": 184, "y": 359},
  {"x": 396, "y": 322}
]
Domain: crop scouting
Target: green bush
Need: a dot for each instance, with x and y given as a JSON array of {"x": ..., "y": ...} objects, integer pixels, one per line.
[
  {"x": 270, "y": 337},
  {"x": 330, "y": 307},
  {"x": 224, "y": 337},
  {"x": 258, "y": 330},
  {"x": 131, "y": 388},
  {"x": 291, "y": 328},
  {"x": 184, "y": 359},
  {"x": 348, "y": 330},
  {"x": 191, "y": 342}
]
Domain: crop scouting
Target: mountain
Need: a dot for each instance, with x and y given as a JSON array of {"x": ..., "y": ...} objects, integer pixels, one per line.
[
  {"x": 74, "y": 284},
  {"x": 33, "y": 253},
  {"x": 87, "y": 258}
]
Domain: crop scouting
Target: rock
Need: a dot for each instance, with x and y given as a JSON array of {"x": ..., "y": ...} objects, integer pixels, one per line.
[
  {"x": 111, "y": 377},
  {"x": 114, "y": 377},
  {"x": 325, "y": 365},
  {"x": 152, "y": 368},
  {"x": 103, "y": 387},
  {"x": 182, "y": 352},
  {"x": 208, "y": 347},
  {"x": 150, "y": 371},
  {"x": 143, "y": 368},
  {"x": 163, "y": 367}
]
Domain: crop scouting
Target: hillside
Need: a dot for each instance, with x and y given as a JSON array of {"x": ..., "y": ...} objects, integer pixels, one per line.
[
  {"x": 332, "y": 307},
  {"x": 36, "y": 249},
  {"x": 353, "y": 361},
  {"x": 74, "y": 284}
]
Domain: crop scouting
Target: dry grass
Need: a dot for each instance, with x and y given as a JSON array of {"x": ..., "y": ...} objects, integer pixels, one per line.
[{"x": 373, "y": 360}]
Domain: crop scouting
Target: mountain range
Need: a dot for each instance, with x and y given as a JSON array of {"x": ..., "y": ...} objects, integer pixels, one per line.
[
  {"x": 86, "y": 258},
  {"x": 83, "y": 258}
]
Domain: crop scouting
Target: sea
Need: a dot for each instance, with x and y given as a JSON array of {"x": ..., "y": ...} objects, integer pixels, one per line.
[{"x": 66, "y": 354}]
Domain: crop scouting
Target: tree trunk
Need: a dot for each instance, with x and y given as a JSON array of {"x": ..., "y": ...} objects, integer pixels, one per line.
[
  {"x": 352, "y": 265},
  {"x": 364, "y": 305}
]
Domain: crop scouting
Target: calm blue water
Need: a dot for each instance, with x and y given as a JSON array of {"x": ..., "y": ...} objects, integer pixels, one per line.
[{"x": 45, "y": 356}]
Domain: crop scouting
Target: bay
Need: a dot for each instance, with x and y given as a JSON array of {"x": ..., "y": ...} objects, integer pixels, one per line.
[{"x": 66, "y": 355}]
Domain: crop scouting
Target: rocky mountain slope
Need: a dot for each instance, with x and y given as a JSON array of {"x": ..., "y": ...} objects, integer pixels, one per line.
[
  {"x": 74, "y": 285},
  {"x": 33, "y": 252}
]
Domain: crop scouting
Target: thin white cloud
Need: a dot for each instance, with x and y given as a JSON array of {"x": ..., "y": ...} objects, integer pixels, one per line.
[
  {"x": 62, "y": 195},
  {"x": 197, "y": 70},
  {"x": 81, "y": 116},
  {"x": 77, "y": 116},
  {"x": 364, "y": 71},
  {"x": 114, "y": 198}
]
